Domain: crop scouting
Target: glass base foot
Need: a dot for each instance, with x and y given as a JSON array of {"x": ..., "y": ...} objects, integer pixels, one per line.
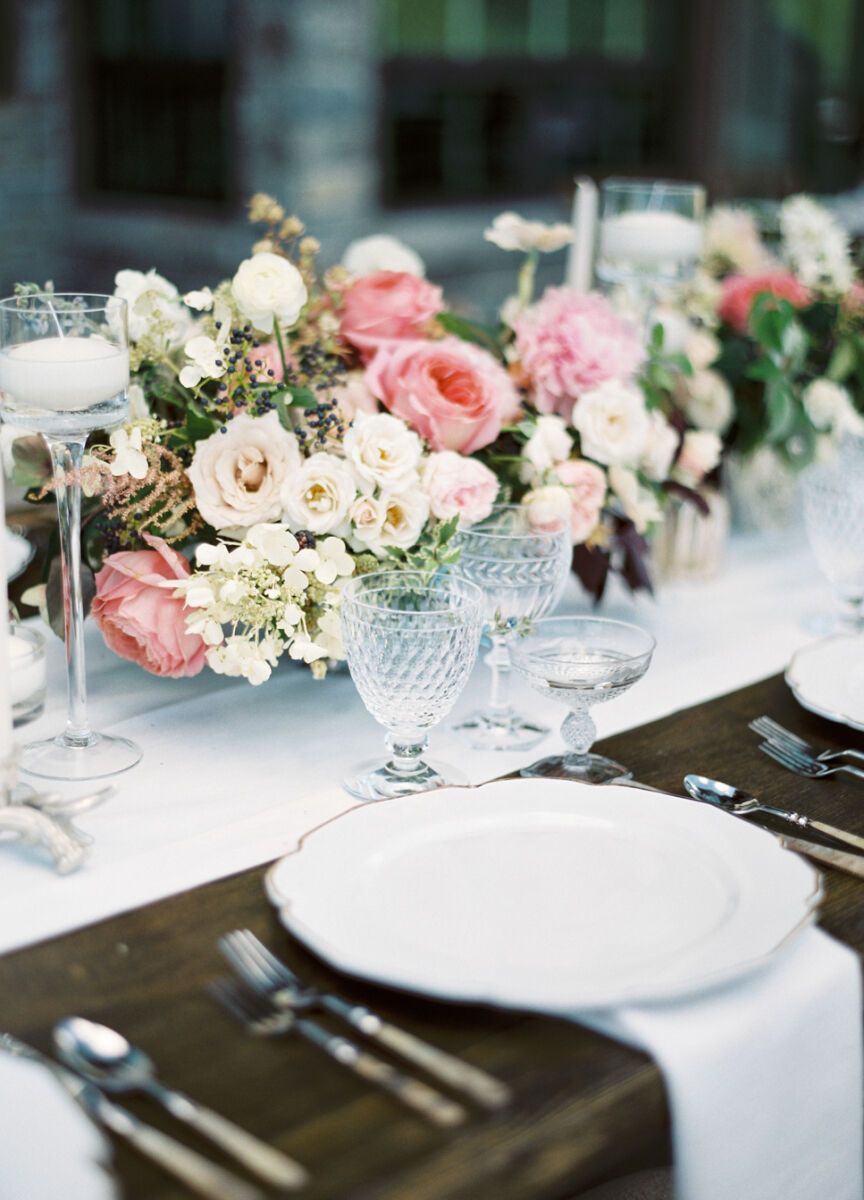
[
  {"x": 507, "y": 732},
  {"x": 377, "y": 781},
  {"x": 57, "y": 758},
  {"x": 588, "y": 768}
]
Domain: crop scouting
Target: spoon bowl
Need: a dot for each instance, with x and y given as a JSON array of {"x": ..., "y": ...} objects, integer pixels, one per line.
[
  {"x": 723, "y": 795},
  {"x": 102, "y": 1055}
]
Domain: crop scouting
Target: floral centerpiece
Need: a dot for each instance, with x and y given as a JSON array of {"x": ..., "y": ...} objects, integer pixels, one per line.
[{"x": 291, "y": 427}]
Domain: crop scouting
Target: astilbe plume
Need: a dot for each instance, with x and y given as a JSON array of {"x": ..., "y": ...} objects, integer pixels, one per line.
[{"x": 162, "y": 503}]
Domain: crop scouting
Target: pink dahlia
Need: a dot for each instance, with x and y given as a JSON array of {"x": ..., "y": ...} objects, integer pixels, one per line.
[
  {"x": 570, "y": 342},
  {"x": 740, "y": 293}
]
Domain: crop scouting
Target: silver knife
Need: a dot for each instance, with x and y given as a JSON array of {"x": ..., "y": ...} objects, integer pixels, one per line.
[{"x": 198, "y": 1173}]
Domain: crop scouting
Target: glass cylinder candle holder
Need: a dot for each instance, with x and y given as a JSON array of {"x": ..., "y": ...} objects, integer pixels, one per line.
[{"x": 27, "y": 672}]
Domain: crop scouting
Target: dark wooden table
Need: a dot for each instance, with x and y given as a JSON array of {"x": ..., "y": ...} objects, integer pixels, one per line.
[{"x": 585, "y": 1109}]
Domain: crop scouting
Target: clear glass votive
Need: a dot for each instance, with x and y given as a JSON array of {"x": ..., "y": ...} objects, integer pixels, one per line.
[{"x": 27, "y": 673}]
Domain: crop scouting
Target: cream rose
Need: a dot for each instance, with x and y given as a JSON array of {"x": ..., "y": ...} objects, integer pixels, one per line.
[
  {"x": 660, "y": 447},
  {"x": 829, "y": 406},
  {"x": 401, "y": 517},
  {"x": 458, "y": 486},
  {"x": 708, "y": 400},
  {"x": 319, "y": 495},
  {"x": 548, "y": 508},
  {"x": 381, "y": 252},
  {"x": 702, "y": 348},
  {"x": 700, "y": 453},
  {"x": 383, "y": 451},
  {"x": 238, "y": 475},
  {"x": 612, "y": 422},
  {"x": 639, "y": 503},
  {"x": 268, "y": 286},
  {"x": 550, "y": 443}
]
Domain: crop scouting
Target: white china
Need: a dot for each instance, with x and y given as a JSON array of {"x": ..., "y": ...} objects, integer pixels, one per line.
[
  {"x": 827, "y": 677},
  {"x": 545, "y": 895}
]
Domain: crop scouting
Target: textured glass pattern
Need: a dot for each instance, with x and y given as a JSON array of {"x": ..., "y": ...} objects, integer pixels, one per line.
[{"x": 834, "y": 513}]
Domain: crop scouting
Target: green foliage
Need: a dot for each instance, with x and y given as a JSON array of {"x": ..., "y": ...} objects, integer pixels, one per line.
[
  {"x": 472, "y": 331},
  {"x": 434, "y": 550}
]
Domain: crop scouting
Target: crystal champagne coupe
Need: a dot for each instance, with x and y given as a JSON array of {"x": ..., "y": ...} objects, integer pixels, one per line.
[
  {"x": 582, "y": 661},
  {"x": 64, "y": 371},
  {"x": 834, "y": 515}
]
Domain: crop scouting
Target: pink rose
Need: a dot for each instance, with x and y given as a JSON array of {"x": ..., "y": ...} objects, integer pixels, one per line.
[
  {"x": 141, "y": 620},
  {"x": 459, "y": 486},
  {"x": 740, "y": 292},
  {"x": 388, "y": 306},
  {"x": 455, "y": 395},
  {"x": 586, "y": 484},
  {"x": 572, "y": 342}
]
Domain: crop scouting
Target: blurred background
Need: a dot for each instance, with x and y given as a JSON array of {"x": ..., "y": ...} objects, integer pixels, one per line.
[{"x": 132, "y": 131}]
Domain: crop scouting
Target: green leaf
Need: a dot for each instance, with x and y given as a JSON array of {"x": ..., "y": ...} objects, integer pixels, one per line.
[
  {"x": 471, "y": 331},
  {"x": 781, "y": 411},
  {"x": 763, "y": 369},
  {"x": 842, "y": 361},
  {"x": 31, "y": 462}
]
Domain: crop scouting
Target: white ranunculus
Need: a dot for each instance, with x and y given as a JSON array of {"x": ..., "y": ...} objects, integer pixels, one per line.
[
  {"x": 383, "y": 451},
  {"x": 612, "y": 423},
  {"x": 660, "y": 447},
  {"x": 402, "y": 518},
  {"x": 381, "y": 252},
  {"x": 509, "y": 231},
  {"x": 700, "y": 453},
  {"x": 550, "y": 443},
  {"x": 708, "y": 401},
  {"x": 458, "y": 486},
  {"x": 319, "y": 496},
  {"x": 239, "y": 475},
  {"x": 829, "y": 406},
  {"x": 702, "y": 348},
  {"x": 267, "y": 287},
  {"x": 639, "y": 503},
  {"x": 154, "y": 305},
  {"x": 548, "y": 507}
]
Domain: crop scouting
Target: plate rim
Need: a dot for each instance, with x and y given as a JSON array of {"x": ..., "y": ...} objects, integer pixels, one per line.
[
  {"x": 698, "y": 985},
  {"x": 795, "y": 687}
]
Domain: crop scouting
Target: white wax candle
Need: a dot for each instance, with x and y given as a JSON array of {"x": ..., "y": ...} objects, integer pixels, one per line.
[
  {"x": 63, "y": 374},
  {"x": 580, "y": 263},
  {"x": 648, "y": 238},
  {"x": 5, "y": 689},
  {"x": 27, "y": 670}
]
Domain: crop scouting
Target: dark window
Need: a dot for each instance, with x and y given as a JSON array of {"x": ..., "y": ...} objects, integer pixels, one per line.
[{"x": 154, "y": 111}]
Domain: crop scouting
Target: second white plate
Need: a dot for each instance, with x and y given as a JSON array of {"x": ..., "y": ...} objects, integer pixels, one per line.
[
  {"x": 827, "y": 678},
  {"x": 543, "y": 894}
]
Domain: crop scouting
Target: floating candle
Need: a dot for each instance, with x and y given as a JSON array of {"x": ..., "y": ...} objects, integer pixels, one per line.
[
  {"x": 646, "y": 239},
  {"x": 65, "y": 374},
  {"x": 26, "y": 668}
]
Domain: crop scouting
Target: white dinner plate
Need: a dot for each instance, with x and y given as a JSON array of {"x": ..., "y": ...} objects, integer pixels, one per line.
[
  {"x": 19, "y": 552},
  {"x": 543, "y": 894},
  {"x": 827, "y": 678}
]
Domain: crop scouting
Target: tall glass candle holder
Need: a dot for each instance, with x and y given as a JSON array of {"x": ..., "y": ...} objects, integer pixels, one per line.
[{"x": 64, "y": 371}]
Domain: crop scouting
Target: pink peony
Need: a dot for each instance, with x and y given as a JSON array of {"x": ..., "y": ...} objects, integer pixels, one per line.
[
  {"x": 741, "y": 291},
  {"x": 570, "y": 342},
  {"x": 454, "y": 394},
  {"x": 459, "y": 486},
  {"x": 388, "y": 306},
  {"x": 586, "y": 484},
  {"x": 141, "y": 620}
]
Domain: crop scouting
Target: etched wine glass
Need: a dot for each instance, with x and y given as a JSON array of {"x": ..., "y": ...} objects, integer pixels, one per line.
[
  {"x": 834, "y": 516},
  {"x": 582, "y": 661},
  {"x": 521, "y": 571},
  {"x": 64, "y": 372},
  {"x": 411, "y": 640}
]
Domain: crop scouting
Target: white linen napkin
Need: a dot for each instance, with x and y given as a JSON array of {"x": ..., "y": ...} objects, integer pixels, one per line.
[
  {"x": 39, "y": 1113},
  {"x": 764, "y": 1077}
]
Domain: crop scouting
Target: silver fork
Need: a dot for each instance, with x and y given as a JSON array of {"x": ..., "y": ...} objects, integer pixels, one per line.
[
  {"x": 266, "y": 974},
  {"x": 261, "y": 1017},
  {"x": 804, "y": 764},
  {"x": 773, "y": 731}
]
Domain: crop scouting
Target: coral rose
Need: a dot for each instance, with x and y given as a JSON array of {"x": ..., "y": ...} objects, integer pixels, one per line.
[
  {"x": 140, "y": 618},
  {"x": 740, "y": 292},
  {"x": 571, "y": 342},
  {"x": 388, "y": 306},
  {"x": 455, "y": 395}
]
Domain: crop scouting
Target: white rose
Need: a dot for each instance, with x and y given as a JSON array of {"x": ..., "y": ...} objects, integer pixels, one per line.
[
  {"x": 319, "y": 495},
  {"x": 380, "y": 252},
  {"x": 268, "y": 286},
  {"x": 660, "y": 448},
  {"x": 829, "y": 406},
  {"x": 509, "y": 231},
  {"x": 548, "y": 507},
  {"x": 702, "y": 348},
  {"x": 550, "y": 443},
  {"x": 639, "y": 503},
  {"x": 612, "y": 422},
  {"x": 402, "y": 518},
  {"x": 367, "y": 516},
  {"x": 676, "y": 329},
  {"x": 458, "y": 486},
  {"x": 708, "y": 400},
  {"x": 700, "y": 453},
  {"x": 239, "y": 475},
  {"x": 154, "y": 308},
  {"x": 383, "y": 450}
]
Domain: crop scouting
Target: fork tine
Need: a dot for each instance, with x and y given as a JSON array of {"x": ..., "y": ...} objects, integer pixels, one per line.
[
  {"x": 795, "y": 755},
  {"x": 771, "y": 729},
  {"x": 799, "y": 766},
  {"x": 225, "y": 993},
  {"x": 279, "y": 971},
  {"x": 244, "y": 963}
]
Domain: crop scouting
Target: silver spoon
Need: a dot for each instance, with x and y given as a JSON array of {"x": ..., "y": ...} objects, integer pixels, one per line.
[
  {"x": 106, "y": 1058},
  {"x": 742, "y": 804}
]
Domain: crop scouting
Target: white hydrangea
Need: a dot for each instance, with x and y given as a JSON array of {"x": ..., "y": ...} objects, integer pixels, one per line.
[
  {"x": 155, "y": 310},
  {"x": 815, "y": 246}
]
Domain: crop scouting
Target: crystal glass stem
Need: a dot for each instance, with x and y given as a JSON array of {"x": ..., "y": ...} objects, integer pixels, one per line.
[
  {"x": 406, "y": 751},
  {"x": 498, "y": 662},
  {"x": 579, "y": 732},
  {"x": 66, "y": 458}
]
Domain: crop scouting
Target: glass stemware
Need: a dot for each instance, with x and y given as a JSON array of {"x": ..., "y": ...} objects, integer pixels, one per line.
[
  {"x": 582, "y": 661},
  {"x": 521, "y": 571},
  {"x": 64, "y": 371},
  {"x": 834, "y": 516},
  {"x": 411, "y": 640},
  {"x": 650, "y": 239}
]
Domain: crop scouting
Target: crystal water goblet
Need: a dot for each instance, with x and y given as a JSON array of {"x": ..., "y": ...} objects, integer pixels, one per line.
[
  {"x": 521, "y": 571},
  {"x": 411, "y": 639},
  {"x": 582, "y": 661},
  {"x": 64, "y": 372},
  {"x": 650, "y": 239},
  {"x": 833, "y": 494}
]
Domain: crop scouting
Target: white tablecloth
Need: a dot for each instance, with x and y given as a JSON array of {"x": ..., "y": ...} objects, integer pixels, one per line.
[{"x": 233, "y": 775}]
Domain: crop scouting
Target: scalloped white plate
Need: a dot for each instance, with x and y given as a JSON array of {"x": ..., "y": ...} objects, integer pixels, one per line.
[
  {"x": 543, "y": 894},
  {"x": 827, "y": 678}
]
